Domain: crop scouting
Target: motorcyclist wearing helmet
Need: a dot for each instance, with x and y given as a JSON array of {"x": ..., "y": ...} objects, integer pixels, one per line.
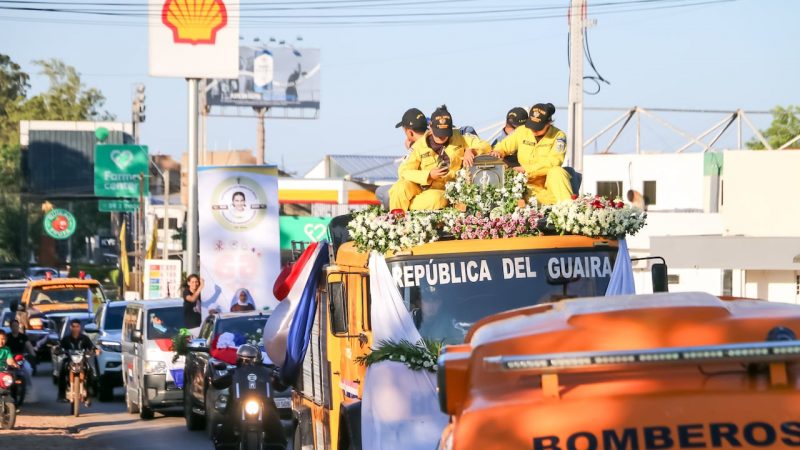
[{"x": 250, "y": 382}]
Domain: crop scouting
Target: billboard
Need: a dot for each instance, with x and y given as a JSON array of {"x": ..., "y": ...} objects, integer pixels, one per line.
[
  {"x": 162, "y": 278},
  {"x": 193, "y": 38},
  {"x": 239, "y": 235},
  {"x": 270, "y": 76}
]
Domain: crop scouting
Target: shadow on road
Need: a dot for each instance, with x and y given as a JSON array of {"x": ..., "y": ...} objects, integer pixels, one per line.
[{"x": 89, "y": 425}]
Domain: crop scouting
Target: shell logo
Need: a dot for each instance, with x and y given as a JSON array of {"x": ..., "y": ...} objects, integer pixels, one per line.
[{"x": 194, "y": 21}]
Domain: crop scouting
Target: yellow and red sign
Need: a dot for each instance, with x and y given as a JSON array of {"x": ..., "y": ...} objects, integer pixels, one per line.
[{"x": 194, "y": 21}]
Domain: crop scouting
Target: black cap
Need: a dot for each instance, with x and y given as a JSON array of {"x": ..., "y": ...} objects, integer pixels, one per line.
[
  {"x": 516, "y": 117},
  {"x": 541, "y": 114},
  {"x": 442, "y": 123},
  {"x": 413, "y": 119}
]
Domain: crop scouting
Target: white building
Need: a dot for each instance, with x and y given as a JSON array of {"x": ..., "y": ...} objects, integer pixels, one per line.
[{"x": 727, "y": 223}]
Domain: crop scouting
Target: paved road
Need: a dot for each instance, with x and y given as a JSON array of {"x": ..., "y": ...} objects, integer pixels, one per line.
[{"x": 103, "y": 426}]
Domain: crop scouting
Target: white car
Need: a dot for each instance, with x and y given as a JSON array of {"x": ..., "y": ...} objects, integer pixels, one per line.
[{"x": 107, "y": 339}]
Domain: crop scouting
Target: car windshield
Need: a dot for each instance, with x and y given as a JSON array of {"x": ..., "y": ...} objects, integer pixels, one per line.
[
  {"x": 66, "y": 294},
  {"x": 447, "y": 295},
  {"x": 245, "y": 330},
  {"x": 114, "y": 318},
  {"x": 9, "y": 295},
  {"x": 164, "y": 322}
]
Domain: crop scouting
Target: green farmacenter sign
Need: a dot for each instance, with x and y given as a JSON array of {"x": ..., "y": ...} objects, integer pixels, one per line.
[
  {"x": 117, "y": 169},
  {"x": 59, "y": 223}
]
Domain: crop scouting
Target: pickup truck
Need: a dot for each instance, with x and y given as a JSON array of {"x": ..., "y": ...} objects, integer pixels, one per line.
[
  {"x": 214, "y": 348},
  {"x": 660, "y": 371}
]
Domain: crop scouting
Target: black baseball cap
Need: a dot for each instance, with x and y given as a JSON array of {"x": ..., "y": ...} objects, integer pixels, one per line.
[
  {"x": 517, "y": 117},
  {"x": 442, "y": 123},
  {"x": 541, "y": 114},
  {"x": 413, "y": 119}
]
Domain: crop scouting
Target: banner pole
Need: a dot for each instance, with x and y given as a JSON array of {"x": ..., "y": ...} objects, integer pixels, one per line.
[{"x": 192, "y": 236}]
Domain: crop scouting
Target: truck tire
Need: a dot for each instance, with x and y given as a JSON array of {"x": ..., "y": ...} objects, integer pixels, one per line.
[{"x": 350, "y": 427}]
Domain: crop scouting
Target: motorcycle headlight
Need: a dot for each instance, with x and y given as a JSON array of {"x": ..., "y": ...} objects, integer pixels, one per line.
[
  {"x": 76, "y": 358},
  {"x": 155, "y": 367},
  {"x": 6, "y": 380},
  {"x": 110, "y": 346},
  {"x": 252, "y": 407}
]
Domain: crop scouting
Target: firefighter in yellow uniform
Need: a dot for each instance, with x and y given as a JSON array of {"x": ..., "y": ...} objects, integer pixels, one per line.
[
  {"x": 540, "y": 148},
  {"x": 434, "y": 160}
]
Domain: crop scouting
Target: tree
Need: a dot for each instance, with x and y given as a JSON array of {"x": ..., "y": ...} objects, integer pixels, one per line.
[
  {"x": 785, "y": 127},
  {"x": 13, "y": 88}
]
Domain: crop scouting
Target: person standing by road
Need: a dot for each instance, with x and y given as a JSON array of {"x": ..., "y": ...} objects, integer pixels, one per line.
[
  {"x": 191, "y": 301},
  {"x": 541, "y": 148},
  {"x": 435, "y": 159}
]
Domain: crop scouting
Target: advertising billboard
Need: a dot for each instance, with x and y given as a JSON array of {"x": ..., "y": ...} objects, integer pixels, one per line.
[
  {"x": 193, "y": 38},
  {"x": 270, "y": 76}
]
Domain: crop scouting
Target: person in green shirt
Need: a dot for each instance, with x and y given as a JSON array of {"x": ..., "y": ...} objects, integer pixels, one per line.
[{"x": 6, "y": 358}]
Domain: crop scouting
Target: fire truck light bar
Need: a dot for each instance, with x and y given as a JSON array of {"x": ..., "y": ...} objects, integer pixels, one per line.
[{"x": 559, "y": 362}]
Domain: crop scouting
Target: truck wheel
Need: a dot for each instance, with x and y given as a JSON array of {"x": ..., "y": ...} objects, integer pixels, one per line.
[
  {"x": 194, "y": 421},
  {"x": 145, "y": 413}
]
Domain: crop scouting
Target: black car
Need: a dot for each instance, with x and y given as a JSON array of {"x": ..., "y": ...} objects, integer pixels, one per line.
[{"x": 199, "y": 396}]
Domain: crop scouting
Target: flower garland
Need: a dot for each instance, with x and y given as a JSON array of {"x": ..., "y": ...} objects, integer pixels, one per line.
[
  {"x": 472, "y": 198},
  {"x": 420, "y": 356},
  {"x": 497, "y": 225},
  {"x": 595, "y": 216},
  {"x": 373, "y": 229}
]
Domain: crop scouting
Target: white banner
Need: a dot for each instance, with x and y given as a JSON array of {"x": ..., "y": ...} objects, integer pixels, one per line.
[
  {"x": 162, "y": 278},
  {"x": 239, "y": 236},
  {"x": 194, "y": 38}
]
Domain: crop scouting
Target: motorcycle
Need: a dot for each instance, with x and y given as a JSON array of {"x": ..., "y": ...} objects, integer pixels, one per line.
[
  {"x": 78, "y": 372},
  {"x": 251, "y": 418},
  {"x": 11, "y": 388}
]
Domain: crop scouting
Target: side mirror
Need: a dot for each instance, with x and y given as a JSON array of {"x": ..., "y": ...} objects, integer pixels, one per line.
[
  {"x": 136, "y": 336},
  {"x": 658, "y": 271},
  {"x": 198, "y": 345},
  {"x": 91, "y": 328}
]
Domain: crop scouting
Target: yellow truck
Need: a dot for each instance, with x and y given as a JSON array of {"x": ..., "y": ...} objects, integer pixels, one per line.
[{"x": 447, "y": 287}]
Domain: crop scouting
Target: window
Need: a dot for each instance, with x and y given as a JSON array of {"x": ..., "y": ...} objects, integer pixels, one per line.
[
  {"x": 727, "y": 282},
  {"x": 649, "y": 192},
  {"x": 674, "y": 279},
  {"x": 797, "y": 285},
  {"x": 609, "y": 189},
  {"x": 172, "y": 224},
  {"x": 338, "y": 306}
]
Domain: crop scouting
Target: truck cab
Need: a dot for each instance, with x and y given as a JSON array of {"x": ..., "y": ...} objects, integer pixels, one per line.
[
  {"x": 447, "y": 286},
  {"x": 660, "y": 371}
]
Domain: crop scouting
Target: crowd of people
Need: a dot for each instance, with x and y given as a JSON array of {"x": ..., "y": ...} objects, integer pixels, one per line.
[{"x": 528, "y": 143}]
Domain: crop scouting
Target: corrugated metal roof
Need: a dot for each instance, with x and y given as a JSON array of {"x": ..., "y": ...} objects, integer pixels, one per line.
[{"x": 369, "y": 168}]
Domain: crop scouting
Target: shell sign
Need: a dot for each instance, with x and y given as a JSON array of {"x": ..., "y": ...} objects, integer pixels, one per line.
[
  {"x": 194, "y": 38},
  {"x": 194, "y": 21}
]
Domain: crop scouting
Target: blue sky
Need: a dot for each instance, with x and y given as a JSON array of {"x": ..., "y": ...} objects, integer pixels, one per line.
[{"x": 738, "y": 54}]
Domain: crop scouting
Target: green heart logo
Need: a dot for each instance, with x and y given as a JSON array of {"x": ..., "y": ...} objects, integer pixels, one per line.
[
  {"x": 315, "y": 232},
  {"x": 122, "y": 158}
]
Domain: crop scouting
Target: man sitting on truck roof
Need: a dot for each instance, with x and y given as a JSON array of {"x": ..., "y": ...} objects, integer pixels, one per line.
[
  {"x": 433, "y": 161},
  {"x": 541, "y": 148}
]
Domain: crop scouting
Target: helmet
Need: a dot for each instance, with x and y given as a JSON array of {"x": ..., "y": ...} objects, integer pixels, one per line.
[{"x": 248, "y": 355}]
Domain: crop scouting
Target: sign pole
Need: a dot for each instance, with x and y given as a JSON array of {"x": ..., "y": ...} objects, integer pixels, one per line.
[
  {"x": 192, "y": 236},
  {"x": 165, "y": 250}
]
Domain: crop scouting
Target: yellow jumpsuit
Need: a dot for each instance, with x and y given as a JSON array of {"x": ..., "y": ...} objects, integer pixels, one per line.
[
  {"x": 548, "y": 182},
  {"x": 415, "y": 190}
]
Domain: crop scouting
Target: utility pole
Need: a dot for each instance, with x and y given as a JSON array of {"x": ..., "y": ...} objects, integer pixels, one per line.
[
  {"x": 260, "y": 139},
  {"x": 165, "y": 250},
  {"x": 192, "y": 236},
  {"x": 577, "y": 23},
  {"x": 141, "y": 244}
]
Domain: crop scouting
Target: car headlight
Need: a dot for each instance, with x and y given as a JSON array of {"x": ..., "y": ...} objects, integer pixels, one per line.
[
  {"x": 252, "y": 407},
  {"x": 36, "y": 323},
  {"x": 76, "y": 358},
  {"x": 110, "y": 346},
  {"x": 155, "y": 367}
]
